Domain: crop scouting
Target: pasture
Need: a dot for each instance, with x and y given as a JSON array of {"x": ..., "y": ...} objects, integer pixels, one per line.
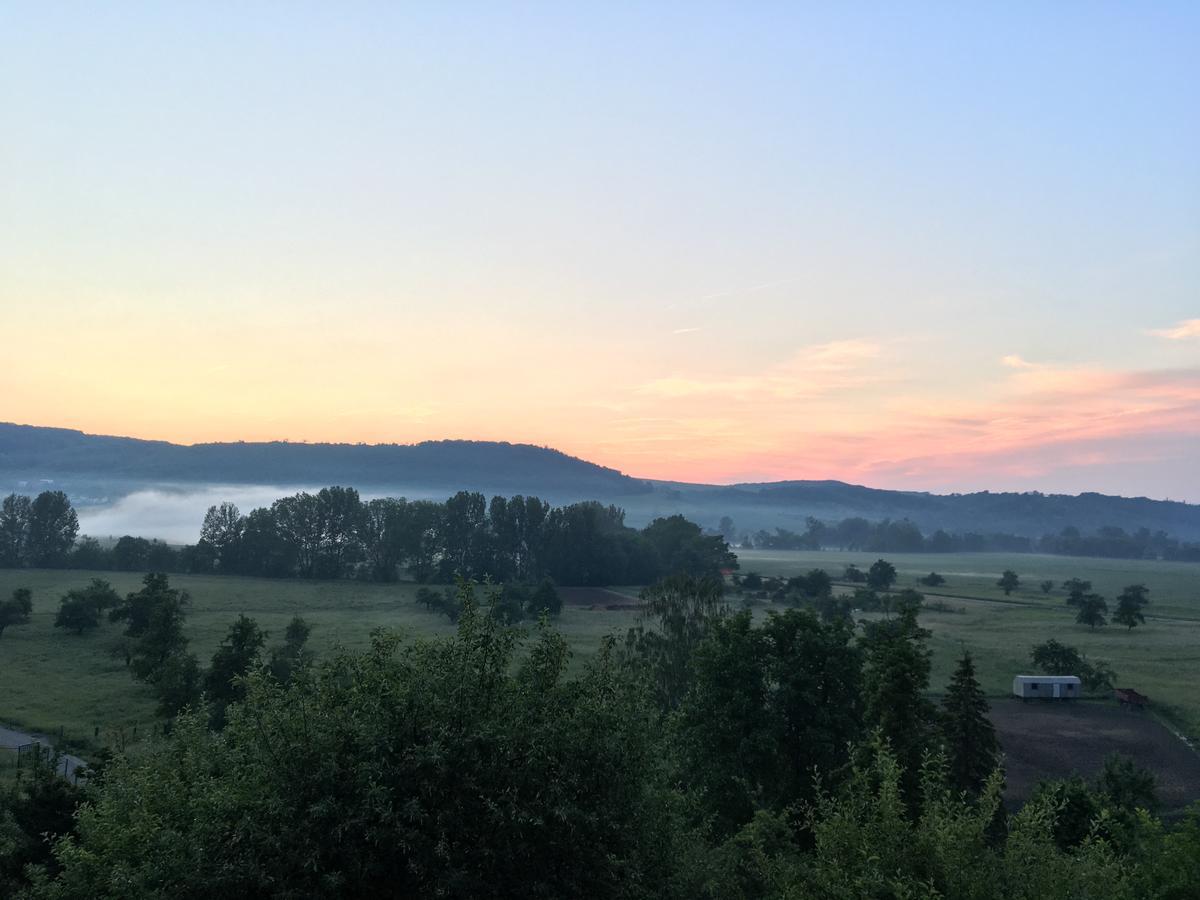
[
  {"x": 52, "y": 680},
  {"x": 1160, "y": 659}
]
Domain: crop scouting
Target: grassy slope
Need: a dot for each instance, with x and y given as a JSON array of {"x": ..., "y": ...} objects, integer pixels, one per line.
[{"x": 49, "y": 679}]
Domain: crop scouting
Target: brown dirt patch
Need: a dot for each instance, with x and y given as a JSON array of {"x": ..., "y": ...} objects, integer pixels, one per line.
[{"x": 1049, "y": 739}]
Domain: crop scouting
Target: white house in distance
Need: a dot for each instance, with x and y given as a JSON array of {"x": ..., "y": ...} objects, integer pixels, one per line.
[{"x": 1046, "y": 687}]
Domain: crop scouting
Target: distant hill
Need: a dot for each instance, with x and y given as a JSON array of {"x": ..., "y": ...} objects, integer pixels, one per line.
[
  {"x": 35, "y": 454},
  {"x": 96, "y": 469},
  {"x": 1031, "y": 514}
]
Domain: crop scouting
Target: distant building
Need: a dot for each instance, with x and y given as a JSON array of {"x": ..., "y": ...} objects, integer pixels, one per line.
[{"x": 1046, "y": 687}]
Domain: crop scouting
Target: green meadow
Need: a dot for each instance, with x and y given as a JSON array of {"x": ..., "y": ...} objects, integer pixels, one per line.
[
  {"x": 51, "y": 680},
  {"x": 1161, "y": 658}
]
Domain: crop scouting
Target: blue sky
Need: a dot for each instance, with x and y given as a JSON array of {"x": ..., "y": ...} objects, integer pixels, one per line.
[{"x": 714, "y": 241}]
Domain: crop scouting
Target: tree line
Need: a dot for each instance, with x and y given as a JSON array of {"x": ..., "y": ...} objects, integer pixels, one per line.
[
  {"x": 707, "y": 752},
  {"x": 904, "y": 536},
  {"x": 333, "y": 533}
]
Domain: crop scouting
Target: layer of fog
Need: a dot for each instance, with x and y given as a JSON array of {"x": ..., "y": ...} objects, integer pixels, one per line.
[{"x": 175, "y": 514}]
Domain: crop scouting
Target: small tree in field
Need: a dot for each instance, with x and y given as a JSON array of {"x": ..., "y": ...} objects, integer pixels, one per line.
[
  {"x": 1047, "y": 586},
  {"x": 15, "y": 611},
  {"x": 1129, "y": 606},
  {"x": 1093, "y": 611},
  {"x": 1009, "y": 582},
  {"x": 881, "y": 575},
  {"x": 1076, "y": 588},
  {"x": 76, "y": 614},
  {"x": 933, "y": 579}
]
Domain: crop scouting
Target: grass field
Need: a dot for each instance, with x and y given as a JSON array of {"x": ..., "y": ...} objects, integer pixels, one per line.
[
  {"x": 50, "y": 680},
  {"x": 1161, "y": 659}
]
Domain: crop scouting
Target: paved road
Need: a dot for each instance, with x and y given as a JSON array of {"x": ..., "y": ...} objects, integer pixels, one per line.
[{"x": 11, "y": 739}]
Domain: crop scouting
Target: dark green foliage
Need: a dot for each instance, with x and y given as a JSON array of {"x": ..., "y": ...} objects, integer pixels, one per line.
[
  {"x": 1076, "y": 588},
  {"x": 811, "y": 587},
  {"x": 933, "y": 579},
  {"x": 1046, "y": 586},
  {"x": 767, "y": 706},
  {"x": 1008, "y": 582},
  {"x": 153, "y": 619},
  {"x": 972, "y": 751},
  {"x": 895, "y": 679},
  {"x": 675, "y": 618},
  {"x": 37, "y": 808},
  {"x": 854, "y": 575},
  {"x": 17, "y": 609},
  {"x": 437, "y": 768},
  {"x": 1055, "y": 658},
  {"x": 76, "y": 614},
  {"x": 683, "y": 548},
  {"x": 292, "y": 656},
  {"x": 14, "y": 530},
  {"x": 53, "y": 526},
  {"x": 177, "y": 684},
  {"x": 1126, "y": 785},
  {"x": 881, "y": 576},
  {"x": 222, "y": 532},
  {"x": 1092, "y": 611},
  {"x": 1129, "y": 606},
  {"x": 238, "y": 653},
  {"x": 545, "y": 599},
  {"x": 83, "y": 608}
]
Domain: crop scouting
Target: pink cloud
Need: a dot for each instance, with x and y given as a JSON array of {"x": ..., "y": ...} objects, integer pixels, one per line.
[{"x": 1181, "y": 331}]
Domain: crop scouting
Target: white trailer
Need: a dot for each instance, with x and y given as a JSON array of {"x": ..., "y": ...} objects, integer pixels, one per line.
[{"x": 1046, "y": 687}]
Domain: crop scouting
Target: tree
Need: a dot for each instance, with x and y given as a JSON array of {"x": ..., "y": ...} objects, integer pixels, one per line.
[
  {"x": 14, "y": 531},
  {"x": 895, "y": 678},
  {"x": 1076, "y": 588},
  {"x": 1129, "y": 606},
  {"x": 292, "y": 656},
  {"x": 881, "y": 575},
  {"x": 222, "y": 531},
  {"x": 1055, "y": 658},
  {"x": 1126, "y": 785},
  {"x": 972, "y": 750},
  {"x": 36, "y": 809},
  {"x": 233, "y": 659},
  {"x": 933, "y": 579},
  {"x": 53, "y": 527},
  {"x": 17, "y": 609},
  {"x": 76, "y": 613},
  {"x": 1092, "y": 611},
  {"x": 546, "y": 598},
  {"x": 1009, "y": 582},
  {"x": 448, "y": 767},
  {"x": 1046, "y": 586},
  {"x": 683, "y": 548},
  {"x": 131, "y": 554},
  {"x": 154, "y": 619},
  {"x": 767, "y": 705},
  {"x": 676, "y": 615}
]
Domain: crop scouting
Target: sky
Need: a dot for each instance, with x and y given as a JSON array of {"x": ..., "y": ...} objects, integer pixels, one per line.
[{"x": 932, "y": 246}]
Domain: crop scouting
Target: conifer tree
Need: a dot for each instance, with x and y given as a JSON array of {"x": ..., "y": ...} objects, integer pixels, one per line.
[{"x": 970, "y": 739}]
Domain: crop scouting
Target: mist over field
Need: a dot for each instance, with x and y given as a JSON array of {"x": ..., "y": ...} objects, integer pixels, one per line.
[{"x": 172, "y": 515}]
